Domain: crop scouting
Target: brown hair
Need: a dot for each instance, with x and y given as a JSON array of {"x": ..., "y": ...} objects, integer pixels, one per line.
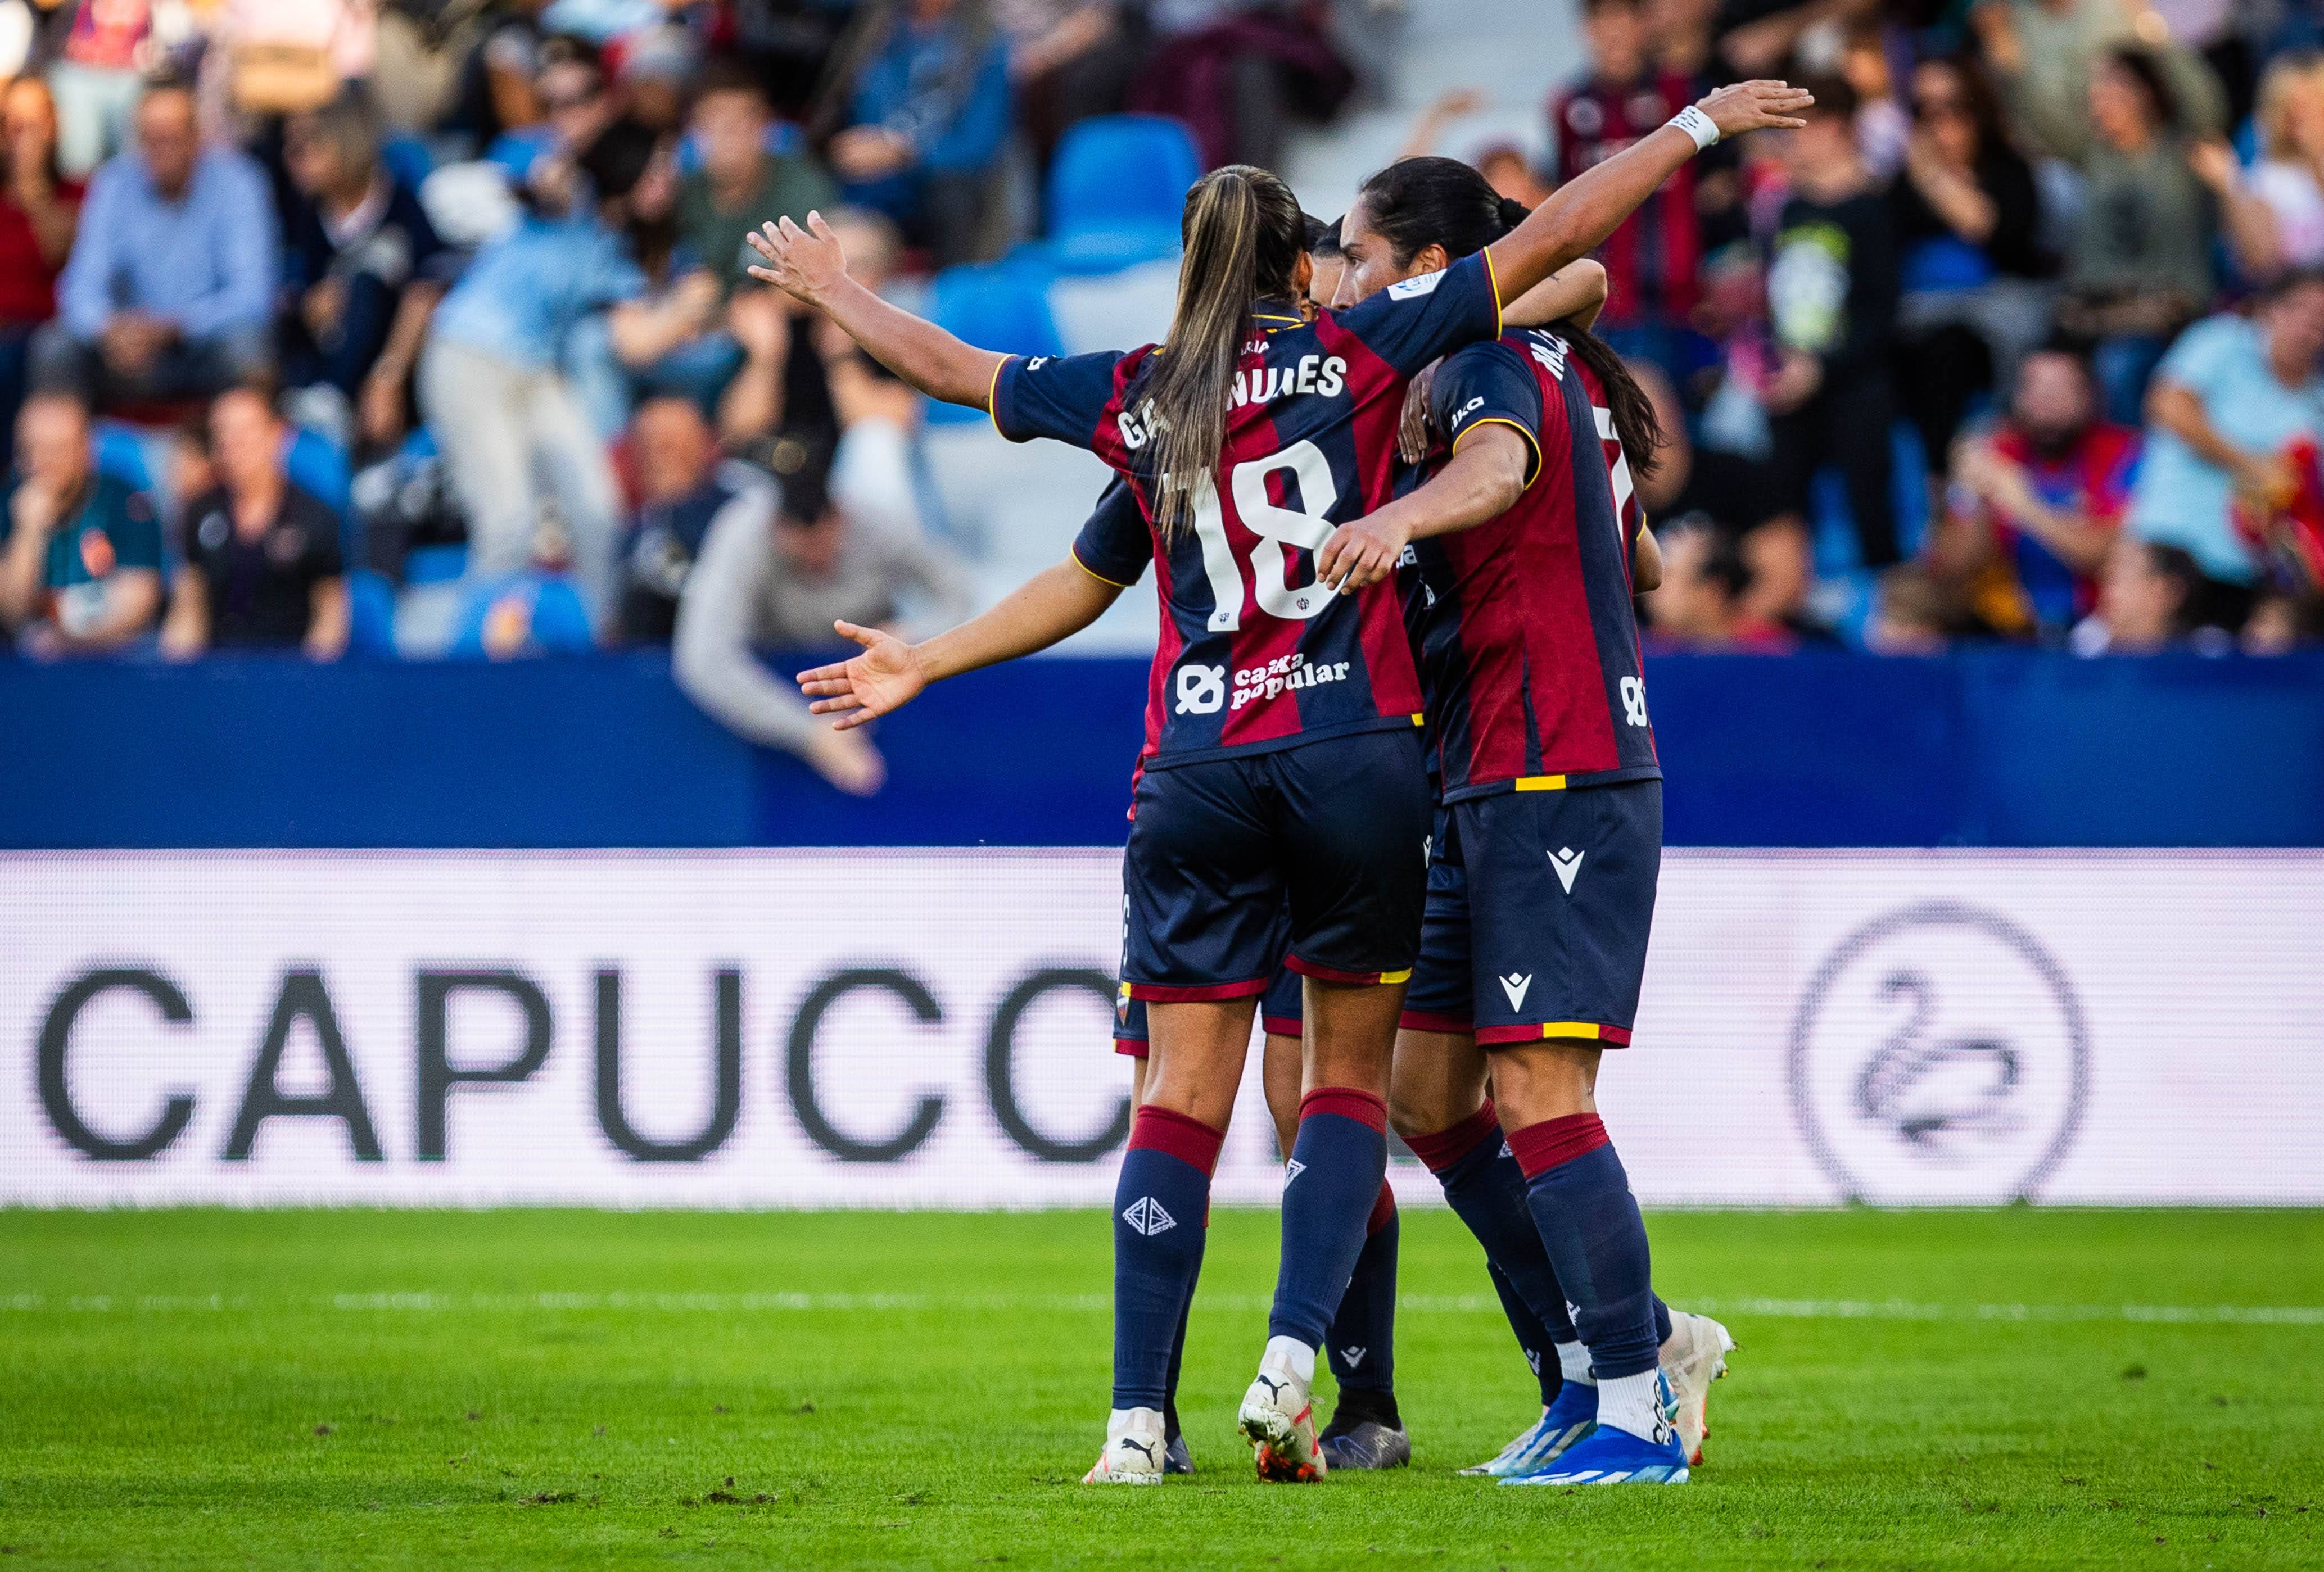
[{"x": 1244, "y": 234}]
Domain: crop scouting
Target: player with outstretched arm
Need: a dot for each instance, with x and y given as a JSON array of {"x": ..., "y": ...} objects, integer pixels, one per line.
[{"x": 1282, "y": 809}]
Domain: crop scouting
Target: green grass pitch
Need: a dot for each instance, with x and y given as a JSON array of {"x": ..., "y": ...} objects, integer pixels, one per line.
[{"x": 351, "y": 1389}]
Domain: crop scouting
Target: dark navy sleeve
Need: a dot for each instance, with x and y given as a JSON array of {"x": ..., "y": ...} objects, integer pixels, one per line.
[
  {"x": 1064, "y": 397},
  {"x": 1484, "y": 384},
  {"x": 1410, "y": 324},
  {"x": 1115, "y": 544}
]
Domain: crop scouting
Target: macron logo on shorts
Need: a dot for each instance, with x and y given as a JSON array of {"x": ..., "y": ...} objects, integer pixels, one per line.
[
  {"x": 1146, "y": 1215},
  {"x": 1515, "y": 987},
  {"x": 1568, "y": 863}
]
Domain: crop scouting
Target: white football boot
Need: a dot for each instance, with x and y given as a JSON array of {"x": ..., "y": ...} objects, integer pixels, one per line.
[
  {"x": 1278, "y": 1419},
  {"x": 1134, "y": 1448},
  {"x": 1694, "y": 1356}
]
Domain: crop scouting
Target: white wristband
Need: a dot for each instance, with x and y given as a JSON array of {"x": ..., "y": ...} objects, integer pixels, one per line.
[{"x": 1698, "y": 126}]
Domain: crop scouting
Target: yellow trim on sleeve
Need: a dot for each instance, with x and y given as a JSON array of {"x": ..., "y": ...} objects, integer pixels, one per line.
[
  {"x": 992, "y": 398},
  {"x": 1540, "y": 783},
  {"x": 1074, "y": 557},
  {"x": 1395, "y": 977},
  {"x": 1420, "y": 720},
  {"x": 1572, "y": 1029},
  {"x": 1531, "y": 441},
  {"x": 1493, "y": 276}
]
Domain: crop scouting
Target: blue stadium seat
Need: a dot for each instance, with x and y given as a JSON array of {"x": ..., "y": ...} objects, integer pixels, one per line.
[
  {"x": 519, "y": 616},
  {"x": 122, "y": 453},
  {"x": 371, "y": 613},
  {"x": 407, "y": 160},
  {"x": 1004, "y": 307},
  {"x": 435, "y": 564},
  {"x": 1116, "y": 192}
]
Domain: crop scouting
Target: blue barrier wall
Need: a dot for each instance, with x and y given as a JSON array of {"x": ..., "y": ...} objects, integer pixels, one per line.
[{"x": 1986, "y": 749}]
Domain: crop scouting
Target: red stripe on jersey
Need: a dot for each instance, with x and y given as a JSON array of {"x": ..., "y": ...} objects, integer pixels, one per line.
[
  {"x": 1171, "y": 645},
  {"x": 1379, "y": 416}
]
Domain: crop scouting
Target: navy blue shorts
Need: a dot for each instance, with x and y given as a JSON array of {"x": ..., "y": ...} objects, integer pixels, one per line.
[
  {"x": 1539, "y": 907},
  {"x": 1312, "y": 858},
  {"x": 1282, "y": 1012}
]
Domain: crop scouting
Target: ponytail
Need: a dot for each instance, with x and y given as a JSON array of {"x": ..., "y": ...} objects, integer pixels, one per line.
[
  {"x": 1634, "y": 422},
  {"x": 1244, "y": 234}
]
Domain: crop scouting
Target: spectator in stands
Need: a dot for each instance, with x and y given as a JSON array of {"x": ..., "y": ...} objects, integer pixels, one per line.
[
  {"x": 288, "y": 57},
  {"x": 1912, "y": 613},
  {"x": 742, "y": 182},
  {"x": 2047, "y": 54},
  {"x": 95, "y": 78},
  {"x": 495, "y": 91},
  {"x": 1071, "y": 59},
  {"x": 1699, "y": 604},
  {"x": 169, "y": 292},
  {"x": 263, "y": 569},
  {"x": 2275, "y": 214},
  {"x": 928, "y": 122},
  {"x": 670, "y": 339},
  {"x": 2281, "y": 623},
  {"x": 2140, "y": 266},
  {"x": 684, "y": 486},
  {"x": 1683, "y": 33},
  {"x": 779, "y": 584},
  {"x": 366, "y": 271},
  {"x": 1969, "y": 222},
  {"x": 1237, "y": 71},
  {"x": 1832, "y": 295},
  {"x": 2036, "y": 503},
  {"x": 1653, "y": 260},
  {"x": 80, "y": 567},
  {"x": 2232, "y": 395},
  {"x": 514, "y": 434},
  {"x": 2147, "y": 601},
  {"x": 39, "y": 210},
  {"x": 799, "y": 373}
]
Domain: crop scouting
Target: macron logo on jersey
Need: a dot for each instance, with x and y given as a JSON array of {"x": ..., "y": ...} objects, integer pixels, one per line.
[{"x": 1413, "y": 289}]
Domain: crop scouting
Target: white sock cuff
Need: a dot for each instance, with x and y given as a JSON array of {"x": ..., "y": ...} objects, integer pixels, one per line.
[
  {"x": 1574, "y": 1359},
  {"x": 1291, "y": 1352},
  {"x": 1632, "y": 1403}
]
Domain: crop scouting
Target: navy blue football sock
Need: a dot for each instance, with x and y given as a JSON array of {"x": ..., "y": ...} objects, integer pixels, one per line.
[
  {"x": 1329, "y": 1187},
  {"x": 1361, "y": 1343},
  {"x": 1581, "y": 1202},
  {"x": 1161, "y": 1206},
  {"x": 1532, "y": 1341},
  {"x": 1178, "y": 1344},
  {"x": 1487, "y": 1190}
]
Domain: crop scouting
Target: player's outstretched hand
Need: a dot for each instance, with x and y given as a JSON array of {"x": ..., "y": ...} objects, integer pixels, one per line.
[
  {"x": 1756, "y": 107},
  {"x": 804, "y": 262},
  {"x": 885, "y": 678},
  {"x": 1359, "y": 555}
]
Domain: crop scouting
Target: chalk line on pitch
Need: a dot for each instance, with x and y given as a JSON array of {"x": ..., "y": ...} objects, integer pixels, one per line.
[{"x": 432, "y": 1302}]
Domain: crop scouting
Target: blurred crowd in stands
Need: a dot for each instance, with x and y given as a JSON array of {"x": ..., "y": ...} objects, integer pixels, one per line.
[{"x": 421, "y": 326}]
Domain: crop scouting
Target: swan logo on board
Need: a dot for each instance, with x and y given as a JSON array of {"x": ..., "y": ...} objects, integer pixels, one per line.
[{"x": 1940, "y": 1055}]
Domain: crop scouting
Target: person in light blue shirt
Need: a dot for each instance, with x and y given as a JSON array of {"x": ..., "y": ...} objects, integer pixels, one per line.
[
  {"x": 515, "y": 435},
  {"x": 172, "y": 282},
  {"x": 2227, "y": 400}
]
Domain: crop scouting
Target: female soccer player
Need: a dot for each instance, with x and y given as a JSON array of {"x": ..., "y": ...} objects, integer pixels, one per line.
[
  {"x": 1550, "y": 835},
  {"x": 1281, "y": 811}
]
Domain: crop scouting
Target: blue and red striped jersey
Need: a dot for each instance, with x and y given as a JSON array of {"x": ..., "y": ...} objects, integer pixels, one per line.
[
  {"x": 1254, "y": 653},
  {"x": 1528, "y": 637}
]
